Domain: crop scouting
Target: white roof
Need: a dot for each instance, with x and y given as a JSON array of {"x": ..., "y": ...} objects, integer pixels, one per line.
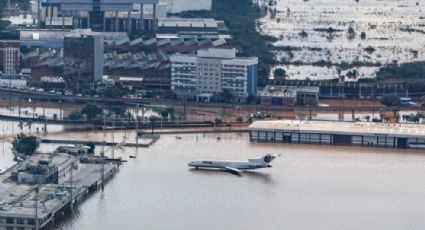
[{"x": 349, "y": 128}]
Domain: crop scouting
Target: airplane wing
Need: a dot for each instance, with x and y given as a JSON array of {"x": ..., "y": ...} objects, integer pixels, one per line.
[{"x": 234, "y": 170}]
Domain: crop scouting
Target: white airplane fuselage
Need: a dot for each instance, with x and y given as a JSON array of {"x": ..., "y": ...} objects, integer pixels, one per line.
[
  {"x": 235, "y": 166},
  {"x": 223, "y": 164}
]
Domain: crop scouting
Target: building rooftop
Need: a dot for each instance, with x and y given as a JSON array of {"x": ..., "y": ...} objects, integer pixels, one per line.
[
  {"x": 22, "y": 202},
  {"x": 188, "y": 22},
  {"x": 349, "y": 128},
  {"x": 287, "y": 91},
  {"x": 275, "y": 91}
]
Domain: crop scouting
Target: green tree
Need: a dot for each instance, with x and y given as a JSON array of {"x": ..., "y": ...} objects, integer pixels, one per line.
[
  {"x": 118, "y": 109},
  {"x": 279, "y": 72},
  {"x": 91, "y": 146},
  {"x": 74, "y": 116},
  {"x": 171, "y": 112},
  {"x": 390, "y": 100},
  {"x": 367, "y": 117},
  {"x": 152, "y": 121},
  {"x": 164, "y": 114},
  {"x": 228, "y": 124},
  {"x": 129, "y": 117},
  {"x": 226, "y": 95},
  {"x": 25, "y": 144},
  {"x": 116, "y": 91},
  {"x": 218, "y": 122},
  {"x": 91, "y": 111},
  {"x": 239, "y": 120},
  {"x": 29, "y": 125}
]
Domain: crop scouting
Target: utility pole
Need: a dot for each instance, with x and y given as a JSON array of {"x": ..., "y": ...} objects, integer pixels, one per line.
[
  {"x": 36, "y": 207},
  {"x": 137, "y": 126},
  {"x": 113, "y": 138},
  {"x": 102, "y": 156},
  {"x": 3, "y": 139},
  {"x": 72, "y": 188},
  {"x": 60, "y": 108},
  {"x": 19, "y": 106}
]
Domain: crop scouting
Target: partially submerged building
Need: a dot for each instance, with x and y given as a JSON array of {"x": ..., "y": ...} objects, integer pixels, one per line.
[{"x": 339, "y": 133}]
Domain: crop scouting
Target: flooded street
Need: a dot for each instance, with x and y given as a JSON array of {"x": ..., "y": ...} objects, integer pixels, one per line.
[{"x": 309, "y": 187}]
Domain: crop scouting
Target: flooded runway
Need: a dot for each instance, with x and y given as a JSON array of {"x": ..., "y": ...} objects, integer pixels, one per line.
[{"x": 309, "y": 187}]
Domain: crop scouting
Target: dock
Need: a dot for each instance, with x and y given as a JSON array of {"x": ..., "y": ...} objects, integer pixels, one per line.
[
  {"x": 169, "y": 132},
  {"x": 43, "y": 206},
  {"x": 81, "y": 142}
]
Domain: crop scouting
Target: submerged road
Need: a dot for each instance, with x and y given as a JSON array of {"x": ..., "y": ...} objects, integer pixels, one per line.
[{"x": 34, "y": 95}]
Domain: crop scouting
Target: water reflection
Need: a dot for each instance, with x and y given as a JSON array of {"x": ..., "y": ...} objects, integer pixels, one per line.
[{"x": 263, "y": 177}]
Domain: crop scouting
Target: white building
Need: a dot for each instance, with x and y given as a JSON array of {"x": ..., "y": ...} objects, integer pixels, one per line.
[{"x": 212, "y": 71}]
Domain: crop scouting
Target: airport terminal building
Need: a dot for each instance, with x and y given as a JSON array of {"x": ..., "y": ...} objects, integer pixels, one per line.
[{"x": 339, "y": 133}]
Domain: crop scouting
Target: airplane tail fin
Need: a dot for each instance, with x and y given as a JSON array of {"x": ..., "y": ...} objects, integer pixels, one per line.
[{"x": 267, "y": 159}]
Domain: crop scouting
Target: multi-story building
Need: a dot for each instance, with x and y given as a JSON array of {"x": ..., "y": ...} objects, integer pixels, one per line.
[
  {"x": 83, "y": 60},
  {"x": 100, "y": 15},
  {"x": 9, "y": 57},
  {"x": 212, "y": 71}
]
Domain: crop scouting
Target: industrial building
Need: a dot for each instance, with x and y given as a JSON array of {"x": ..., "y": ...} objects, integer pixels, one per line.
[
  {"x": 178, "y": 6},
  {"x": 100, "y": 15},
  {"x": 335, "y": 89},
  {"x": 290, "y": 95},
  {"x": 44, "y": 38},
  {"x": 192, "y": 28},
  {"x": 212, "y": 71},
  {"x": 83, "y": 59},
  {"x": 9, "y": 57},
  {"x": 339, "y": 133}
]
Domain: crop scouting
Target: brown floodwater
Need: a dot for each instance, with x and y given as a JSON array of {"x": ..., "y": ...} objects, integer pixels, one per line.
[{"x": 308, "y": 187}]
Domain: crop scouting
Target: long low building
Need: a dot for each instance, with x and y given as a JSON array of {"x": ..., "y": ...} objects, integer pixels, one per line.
[
  {"x": 290, "y": 95},
  {"x": 339, "y": 133}
]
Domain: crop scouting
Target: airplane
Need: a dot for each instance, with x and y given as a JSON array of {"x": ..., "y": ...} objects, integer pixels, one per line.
[{"x": 235, "y": 166}]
